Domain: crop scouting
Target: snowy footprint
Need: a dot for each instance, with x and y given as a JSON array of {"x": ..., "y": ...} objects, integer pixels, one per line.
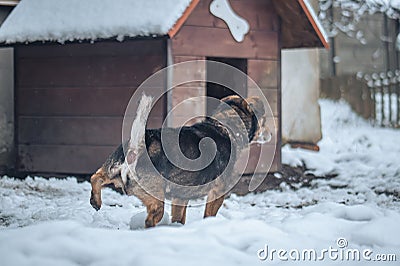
[{"x": 357, "y": 213}]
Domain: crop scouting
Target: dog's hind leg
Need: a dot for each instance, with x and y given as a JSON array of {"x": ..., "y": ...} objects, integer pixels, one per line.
[{"x": 178, "y": 210}]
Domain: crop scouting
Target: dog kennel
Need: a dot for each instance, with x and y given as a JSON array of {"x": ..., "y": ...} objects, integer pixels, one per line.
[{"x": 71, "y": 93}]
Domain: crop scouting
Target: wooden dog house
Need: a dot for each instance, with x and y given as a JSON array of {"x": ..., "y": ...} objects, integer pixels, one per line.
[{"x": 72, "y": 84}]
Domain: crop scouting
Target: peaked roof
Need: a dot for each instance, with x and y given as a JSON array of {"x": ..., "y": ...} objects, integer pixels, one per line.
[
  {"x": 61, "y": 20},
  {"x": 69, "y": 20},
  {"x": 300, "y": 25}
]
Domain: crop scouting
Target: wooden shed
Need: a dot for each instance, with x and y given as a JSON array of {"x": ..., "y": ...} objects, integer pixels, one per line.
[{"x": 73, "y": 83}]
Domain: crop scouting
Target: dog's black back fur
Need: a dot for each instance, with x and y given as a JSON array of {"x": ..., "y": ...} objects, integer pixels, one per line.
[{"x": 189, "y": 140}]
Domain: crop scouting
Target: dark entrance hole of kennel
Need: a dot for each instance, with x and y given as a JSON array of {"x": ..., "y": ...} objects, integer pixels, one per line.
[{"x": 236, "y": 82}]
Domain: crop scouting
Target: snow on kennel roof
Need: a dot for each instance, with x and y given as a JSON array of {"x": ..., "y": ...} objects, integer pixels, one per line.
[{"x": 61, "y": 20}]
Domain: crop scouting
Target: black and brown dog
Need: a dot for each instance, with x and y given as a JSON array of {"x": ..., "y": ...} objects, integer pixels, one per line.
[{"x": 228, "y": 145}]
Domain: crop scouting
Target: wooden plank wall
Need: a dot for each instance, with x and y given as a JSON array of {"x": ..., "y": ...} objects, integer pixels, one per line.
[
  {"x": 204, "y": 35},
  {"x": 186, "y": 111},
  {"x": 70, "y": 100}
]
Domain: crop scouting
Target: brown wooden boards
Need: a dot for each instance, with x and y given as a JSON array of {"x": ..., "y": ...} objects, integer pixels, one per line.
[
  {"x": 71, "y": 98},
  {"x": 218, "y": 42},
  {"x": 205, "y": 36}
]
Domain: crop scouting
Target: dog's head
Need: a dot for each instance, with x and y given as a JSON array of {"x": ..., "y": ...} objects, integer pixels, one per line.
[{"x": 252, "y": 112}]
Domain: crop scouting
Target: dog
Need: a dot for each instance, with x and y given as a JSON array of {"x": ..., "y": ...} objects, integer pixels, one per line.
[{"x": 228, "y": 144}]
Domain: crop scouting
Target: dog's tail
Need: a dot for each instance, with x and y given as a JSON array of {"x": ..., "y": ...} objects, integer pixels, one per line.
[{"x": 138, "y": 130}]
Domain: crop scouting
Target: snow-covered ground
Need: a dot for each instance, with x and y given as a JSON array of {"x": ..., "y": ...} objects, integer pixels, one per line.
[{"x": 50, "y": 222}]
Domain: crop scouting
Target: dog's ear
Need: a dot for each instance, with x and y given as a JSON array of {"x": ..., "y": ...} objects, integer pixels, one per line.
[
  {"x": 231, "y": 98},
  {"x": 256, "y": 106},
  {"x": 235, "y": 100}
]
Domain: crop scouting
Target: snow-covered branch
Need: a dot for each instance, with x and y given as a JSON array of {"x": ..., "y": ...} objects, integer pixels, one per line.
[{"x": 349, "y": 13}]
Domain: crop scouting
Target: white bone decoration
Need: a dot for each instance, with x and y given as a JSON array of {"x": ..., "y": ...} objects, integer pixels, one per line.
[{"x": 238, "y": 26}]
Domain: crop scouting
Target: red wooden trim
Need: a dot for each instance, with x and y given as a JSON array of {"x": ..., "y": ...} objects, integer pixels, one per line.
[
  {"x": 9, "y": 2},
  {"x": 183, "y": 18},
  {"x": 314, "y": 24}
]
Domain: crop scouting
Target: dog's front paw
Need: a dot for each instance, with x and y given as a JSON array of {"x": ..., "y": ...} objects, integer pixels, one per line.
[
  {"x": 149, "y": 223},
  {"x": 96, "y": 204}
]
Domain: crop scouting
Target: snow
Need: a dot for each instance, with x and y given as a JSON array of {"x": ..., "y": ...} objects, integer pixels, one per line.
[
  {"x": 138, "y": 220},
  {"x": 50, "y": 221},
  {"x": 387, "y": 107},
  {"x": 58, "y": 20},
  {"x": 351, "y": 12},
  {"x": 365, "y": 158},
  {"x": 316, "y": 20}
]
